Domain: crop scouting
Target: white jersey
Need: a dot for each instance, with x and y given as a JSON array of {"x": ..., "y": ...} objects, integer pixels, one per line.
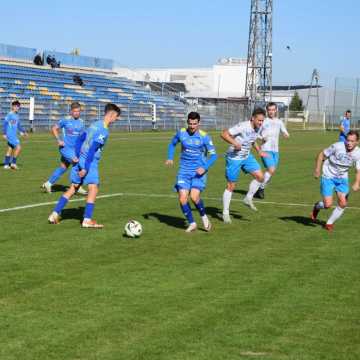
[
  {"x": 339, "y": 161},
  {"x": 246, "y": 135},
  {"x": 270, "y": 133}
]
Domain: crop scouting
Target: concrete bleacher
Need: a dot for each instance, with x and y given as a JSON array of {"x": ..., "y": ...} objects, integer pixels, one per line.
[{"x": 54, "y": 90}]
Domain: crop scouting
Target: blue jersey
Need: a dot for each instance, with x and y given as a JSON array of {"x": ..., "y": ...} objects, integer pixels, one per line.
[
  {"x": 12, "y": 126},
  {"x": 194, "y": 150},
  {"x": 345, "y": 123},
  {"x": 71, "y": 130},
  {"x": 90, "y": 144}
]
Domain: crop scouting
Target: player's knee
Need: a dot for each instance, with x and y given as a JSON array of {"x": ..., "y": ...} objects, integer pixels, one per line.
[
  {"x": 259, "y": 177},
  {"x": 342, "y": 203},
  {"x": 271, "y": 171},
  {"x": 328, "y": 204},
  {"x": 231, "y": 186},
  {"x": 195, "y": 198}
]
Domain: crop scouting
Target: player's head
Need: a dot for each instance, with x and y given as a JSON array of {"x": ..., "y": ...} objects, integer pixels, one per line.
[
  {"x": 112, "y": 112},
  {"x": 348, "y": 114},
  {"x": 257, "y": 117},
  {"x": 15, "y": 106},
  {"x": 271, "y": 109},
  {"x": 352, "y": 140},
  {"x": 75, "y": 110},
  {"x": 193, "y": 121}
]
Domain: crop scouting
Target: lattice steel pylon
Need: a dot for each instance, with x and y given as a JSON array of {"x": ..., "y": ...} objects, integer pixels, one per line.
[
  {"x": 315, "y": 77},
  {"x": 259, "y": 61}
]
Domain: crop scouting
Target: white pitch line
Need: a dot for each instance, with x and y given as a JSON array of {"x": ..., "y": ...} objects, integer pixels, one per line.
[{"x": 30, "y": 206}]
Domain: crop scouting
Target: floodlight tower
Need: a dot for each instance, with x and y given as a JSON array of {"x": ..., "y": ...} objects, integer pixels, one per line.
[{"x": 259, "y": 60}]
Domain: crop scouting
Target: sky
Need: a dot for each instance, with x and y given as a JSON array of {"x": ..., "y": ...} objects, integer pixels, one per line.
[{"x": 322, "y": 34}]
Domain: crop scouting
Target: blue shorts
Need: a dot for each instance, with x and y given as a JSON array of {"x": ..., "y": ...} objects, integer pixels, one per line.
[
  {"x": 13, "y": 143},
  {"x": 272, "y": 161},
  {"x": 190, "y": 180},
  {"x": 92, "y": 177},
  {"x": 233, "y": 167},
  {"x": 67, "y": 155},
  {"x": 328, "y": 186}
]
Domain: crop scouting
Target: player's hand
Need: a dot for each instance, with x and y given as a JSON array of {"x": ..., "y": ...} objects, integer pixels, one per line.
[
  {"x": 82, "y": 173},
  {"x": 5, "y": 138},
  {"x": 61, "y": 143},
  {"x": 356, "y": 187},
  {"x": 169, "y": 162},
  {"x": 237, "y": 147},
  {"x": 75, "y": 160},
  {"x": 316, "y": 173},
  {"x": 200, "y": 171},
  {"x": 264, "y": 154}
]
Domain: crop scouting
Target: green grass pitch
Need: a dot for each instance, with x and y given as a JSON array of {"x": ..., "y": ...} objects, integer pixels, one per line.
[{"x": 270, "y": 286}]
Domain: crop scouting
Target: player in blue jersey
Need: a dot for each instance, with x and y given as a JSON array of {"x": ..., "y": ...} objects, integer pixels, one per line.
[
  {"x": 11, "y": 128},
  {"x": 71, "y": 128},
  {"x": 242, "y": 138},
  {"x": 88, "y": 150},
  {"x": 345, "y": 126},
  {"x": 196, "y": 145}
]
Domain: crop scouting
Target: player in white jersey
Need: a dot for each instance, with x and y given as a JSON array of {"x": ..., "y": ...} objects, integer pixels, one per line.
[
  {"x": 270, "y": 133},
  {"x": 336, "y": 162},
  {"x": 242, "y": 137}
]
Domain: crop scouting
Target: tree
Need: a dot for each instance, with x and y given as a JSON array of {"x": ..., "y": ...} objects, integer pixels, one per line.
[{"x": 296, "y": 103}]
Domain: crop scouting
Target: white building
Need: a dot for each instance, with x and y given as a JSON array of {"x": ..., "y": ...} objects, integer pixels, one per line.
[{"x": 224, "y": 79}]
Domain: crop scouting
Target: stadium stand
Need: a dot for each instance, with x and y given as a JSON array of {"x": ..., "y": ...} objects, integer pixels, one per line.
[{"x": 54, "y": 90}]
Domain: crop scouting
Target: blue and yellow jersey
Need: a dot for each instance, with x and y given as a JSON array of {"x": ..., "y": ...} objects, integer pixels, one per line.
[
  {"x": 195, "y": 149},
  {"x": 71, "y": 129},
  {"x": 12, "y": 126}
]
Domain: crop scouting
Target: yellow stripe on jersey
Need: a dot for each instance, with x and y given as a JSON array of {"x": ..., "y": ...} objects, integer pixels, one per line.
[{"x": 202, "y": 132}]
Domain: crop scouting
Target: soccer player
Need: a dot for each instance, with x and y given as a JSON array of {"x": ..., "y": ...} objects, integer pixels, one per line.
[
  {"x": 270, "y": 132},
  {"x": 88, "y": 149},
  {"x": 345, "y": 126},
  {"x": 71, "y": 128},
  {"x": 194, "y": 165},
  {"x": 336, "y": 161},
  {"x": 11, "y": 127},
  {"x": 242, "y": 137}
]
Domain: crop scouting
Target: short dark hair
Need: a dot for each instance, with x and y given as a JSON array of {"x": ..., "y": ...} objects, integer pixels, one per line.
[
  {"x": 348, "y": 111},
  {"x": 15, "y": 103},
  {"x": 112, "y": 107},
  {"x": 258, "y": 111},
  {"x": 271, "y": 104},
  {"x": 353, "y": 132},
  {"x": 193, "y": 116},
  {"x": 75, "y": 105}
]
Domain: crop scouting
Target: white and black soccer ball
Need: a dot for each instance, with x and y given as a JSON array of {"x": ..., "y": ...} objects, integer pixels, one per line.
[{"x": 133, "y": 229}]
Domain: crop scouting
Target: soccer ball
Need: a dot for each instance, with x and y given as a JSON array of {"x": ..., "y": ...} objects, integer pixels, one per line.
[{"x": 133, "y": 229}]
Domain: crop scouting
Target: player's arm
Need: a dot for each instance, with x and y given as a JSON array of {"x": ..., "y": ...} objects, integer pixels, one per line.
[
  {"x": 55, "y": 131},
  {"x": 210, "y": 149},
  {"x": 356, "y": 185},
  {"x": 258, "y": 150},
  {"x": 171, "y": 150},
  {"x": 21, "y": 130},
  {"x": 5, "y": 127},
  {"x": 318, "y": 163},
  {"x": 229, "y": 138},
  {"x": 342, "y": 127},
  {"x": 284, "y": 130},
  {"x": 90, "y": 155},
  {"x": 79, "y": 141}
]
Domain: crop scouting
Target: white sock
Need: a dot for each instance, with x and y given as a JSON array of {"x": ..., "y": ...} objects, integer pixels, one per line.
[
  {"x": 226, "y": 201},
  {"x": 336, "y": 214},
  {"x": 253, "y": 188},
  {"x": 267, "y": 178},
  {"x": 319, "y": 205}
]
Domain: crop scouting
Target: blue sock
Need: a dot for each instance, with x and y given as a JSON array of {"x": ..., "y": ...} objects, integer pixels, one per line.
[
  {"x": 13, "y": 161},
  {"x": 7, "y": 160},
  {"x": 200, "y": 207},
  {"x": 56, "y": 175},
  {"x": 186, "y": 209},
  {"x": 61, "y": 204},
  {"x": 89, "y": 209}
]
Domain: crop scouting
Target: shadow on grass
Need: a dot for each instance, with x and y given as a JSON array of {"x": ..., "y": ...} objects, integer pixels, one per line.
[
  {"x": 216, "y": 213},
  {"x": 306, "y": 221},
  {"x": 74, "y": 213},
  {"x": 173, "y": 221},
  {"x": 240, "y": 191},
  {"x": 59, "y": 188}
]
